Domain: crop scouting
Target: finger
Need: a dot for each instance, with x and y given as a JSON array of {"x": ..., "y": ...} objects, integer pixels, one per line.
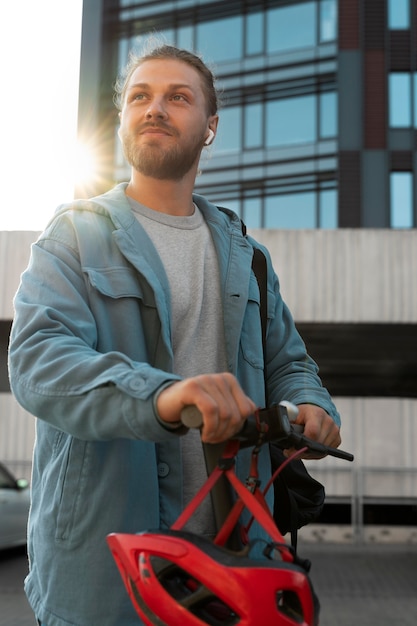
[
  {"x": 225, "y": 421},
  {"x": 233, "y": 407},
  {"x": 220, "y": 399},
  {"x": 319, "y": 426},
  {"x": 330, "y": 433},
  {"x": 333, "y": 438}
]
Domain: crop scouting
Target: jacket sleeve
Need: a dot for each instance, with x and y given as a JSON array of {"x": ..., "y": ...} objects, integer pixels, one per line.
[
  {"x": 290, "y": 371},
  {"x": 56, "y": 370}
]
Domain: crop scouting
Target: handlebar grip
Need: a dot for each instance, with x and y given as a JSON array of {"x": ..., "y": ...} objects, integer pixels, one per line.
[{"x": 191, "y": 416}]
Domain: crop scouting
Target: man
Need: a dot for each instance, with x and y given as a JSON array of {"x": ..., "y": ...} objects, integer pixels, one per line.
[{"x": 134, "y": 305}]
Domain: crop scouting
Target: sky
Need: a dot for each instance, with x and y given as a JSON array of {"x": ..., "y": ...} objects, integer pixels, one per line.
[{"x": 39, "y": 68}]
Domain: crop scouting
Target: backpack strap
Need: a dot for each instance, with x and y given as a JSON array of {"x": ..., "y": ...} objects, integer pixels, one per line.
[{"x": 260, "y": 270}]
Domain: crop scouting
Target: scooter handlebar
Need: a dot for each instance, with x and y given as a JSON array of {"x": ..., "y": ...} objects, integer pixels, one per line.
[{"x": 272, "y": 425}]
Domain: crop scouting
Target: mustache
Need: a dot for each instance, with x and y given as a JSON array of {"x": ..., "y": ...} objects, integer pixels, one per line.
[{"x": 160, "y": 126}]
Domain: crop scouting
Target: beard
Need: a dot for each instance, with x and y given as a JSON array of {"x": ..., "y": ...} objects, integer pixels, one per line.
[{"x": 157, "y": 161}]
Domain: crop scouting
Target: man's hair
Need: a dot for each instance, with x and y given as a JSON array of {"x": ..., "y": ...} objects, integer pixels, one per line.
[{"x": 162, "y": 52}]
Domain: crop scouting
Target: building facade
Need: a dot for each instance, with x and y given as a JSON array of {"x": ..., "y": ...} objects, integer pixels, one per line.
[
  {"x": 317, "y": 152},
  {"x": 319, "y": 118}
]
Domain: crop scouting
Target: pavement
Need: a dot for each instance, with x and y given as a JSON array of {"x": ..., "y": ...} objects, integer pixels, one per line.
[
  {"x": 361, "y": 585},
  {"x": 14, "y": 608},
  {"x": 368, "y": 585}
]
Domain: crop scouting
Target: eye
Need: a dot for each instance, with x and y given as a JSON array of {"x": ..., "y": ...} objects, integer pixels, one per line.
[
  {"x": 178, "y": 97},
  {"x": 137, "y": 96}
]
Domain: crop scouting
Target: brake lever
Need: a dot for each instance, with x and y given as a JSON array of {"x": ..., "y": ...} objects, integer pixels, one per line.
[
  {"x": 297, "y": 441},
  {"x": 289, "y": 435}
]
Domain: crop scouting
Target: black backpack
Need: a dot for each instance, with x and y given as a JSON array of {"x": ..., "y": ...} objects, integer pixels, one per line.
[{"x": 299, "y": 498}]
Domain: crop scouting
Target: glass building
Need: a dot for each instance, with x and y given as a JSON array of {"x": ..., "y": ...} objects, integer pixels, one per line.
[
  {"x": 317, "y": 148},
  {"x": 319, "y": 114}
]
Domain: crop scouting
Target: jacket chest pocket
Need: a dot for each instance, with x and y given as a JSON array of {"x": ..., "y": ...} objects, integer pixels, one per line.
[
  {"x": 125, "y": 312},
  {"x": 118, "y": 282}
]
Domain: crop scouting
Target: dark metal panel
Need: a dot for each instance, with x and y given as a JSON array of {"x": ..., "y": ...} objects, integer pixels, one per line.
[
  {"x": 400, "y": 51},
  {"x": 377, "y": 360},
  {"x": 350, "y": 204},
  {"x": 374, "y": 23},
  {"x": 401, "y": 161},
  {"x": 375, "y": 122}
]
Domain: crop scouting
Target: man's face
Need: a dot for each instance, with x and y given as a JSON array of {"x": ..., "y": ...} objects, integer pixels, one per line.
[{"x": 164, "y": 120}]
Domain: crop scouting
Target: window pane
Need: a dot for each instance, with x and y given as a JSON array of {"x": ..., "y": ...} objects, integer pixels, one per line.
[
  {"x": 167, "y": 36},
  {"x": 252, "y": 215},
  {"x": 123, "y": 52},
  {"x": 291, "y": 121},
  {"x": 229, "y": 139},
  {"x": 291, "y": 27},
  {"x": 328, "y": 20},
  {"x": 415, "y": 100},
  {"x": 401, "y": 200},
  {"x": 185, "y": 37},
  {"x": 398, "y": 14},
  {"x": 253, "y": 125},
  {"x": 254, "y": 33},
  {"x": 328, "y": 209},
  {"x": 221, "y": 40},
  {"x": 328, "y": 114},
  {"x": 399, "y": 99},
  {"x": 290, "y": 211}
]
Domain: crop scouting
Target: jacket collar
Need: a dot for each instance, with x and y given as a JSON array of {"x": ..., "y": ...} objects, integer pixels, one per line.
[{"x": 234, "y": 253}]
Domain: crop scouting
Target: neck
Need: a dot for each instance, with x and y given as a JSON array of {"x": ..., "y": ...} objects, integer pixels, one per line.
[{"x": 167, "y": 196}]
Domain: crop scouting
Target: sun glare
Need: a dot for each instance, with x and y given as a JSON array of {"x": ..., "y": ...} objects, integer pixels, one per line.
[
  {"x": 84, "y": 165},
  {"x": 40, "y": 112}
]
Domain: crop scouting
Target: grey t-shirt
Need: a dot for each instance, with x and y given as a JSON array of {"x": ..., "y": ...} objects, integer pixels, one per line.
[{"x": 187, "y": 252}]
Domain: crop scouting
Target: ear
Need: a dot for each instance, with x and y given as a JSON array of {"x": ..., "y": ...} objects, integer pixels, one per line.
[
  {"x": 212, "y": 129},
  {"x": 209, "y": 137}
]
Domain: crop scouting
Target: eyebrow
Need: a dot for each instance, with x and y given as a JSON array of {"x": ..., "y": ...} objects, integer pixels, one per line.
[{"x": 171, "y": 87}]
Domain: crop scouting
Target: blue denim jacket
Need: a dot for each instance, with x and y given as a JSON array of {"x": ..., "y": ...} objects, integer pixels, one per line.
[{"x": 90, "y": 346}]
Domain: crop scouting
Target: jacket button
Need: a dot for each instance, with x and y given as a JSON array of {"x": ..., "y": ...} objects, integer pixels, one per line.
[
  {"x": 163, "y": 470},
  {"x": 136, "y": 384}
]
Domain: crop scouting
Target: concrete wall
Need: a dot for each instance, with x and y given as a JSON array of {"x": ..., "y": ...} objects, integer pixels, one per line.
[
  {"x": 346, "y": 275},
  {"x": 337, "y": 276}
]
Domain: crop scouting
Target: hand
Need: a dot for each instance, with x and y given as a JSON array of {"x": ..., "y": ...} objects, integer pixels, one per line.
[
  {"x": 319, "y": 426},
  {"x": 219, "y": 397}
]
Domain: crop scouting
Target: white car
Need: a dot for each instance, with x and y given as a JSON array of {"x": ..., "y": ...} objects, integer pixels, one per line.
[{"x": 14, "y": 509}]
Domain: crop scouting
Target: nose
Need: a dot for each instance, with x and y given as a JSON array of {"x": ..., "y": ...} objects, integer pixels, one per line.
[{"x": 156, "y": 109}]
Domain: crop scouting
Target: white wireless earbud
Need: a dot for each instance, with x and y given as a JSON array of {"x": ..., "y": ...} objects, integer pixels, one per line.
[{"x": 209, "y": 138}]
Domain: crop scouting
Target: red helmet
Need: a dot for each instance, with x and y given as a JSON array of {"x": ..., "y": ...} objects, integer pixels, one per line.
[{"x": 177, "y": 578}]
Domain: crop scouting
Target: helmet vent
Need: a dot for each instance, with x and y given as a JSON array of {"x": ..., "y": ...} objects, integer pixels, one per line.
[
  {"x": 193, "y": 595},
  {"x": 288, "y": 603}
]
